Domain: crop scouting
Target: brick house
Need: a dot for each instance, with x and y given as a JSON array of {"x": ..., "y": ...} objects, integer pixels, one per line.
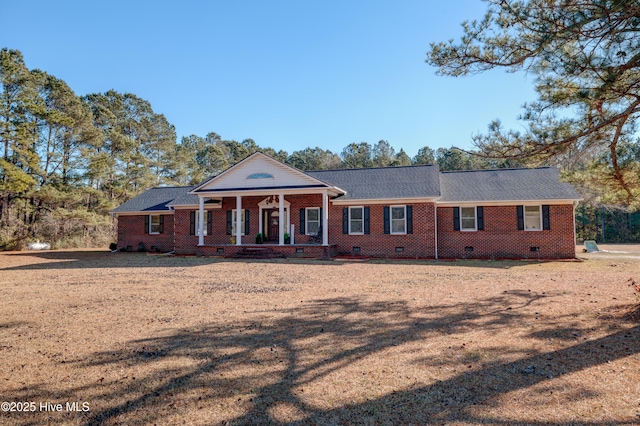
[{"x": 390, "y": 212}]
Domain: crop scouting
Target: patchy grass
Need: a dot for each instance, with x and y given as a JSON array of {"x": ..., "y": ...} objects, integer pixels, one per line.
[{"x": 153, "y": 339}]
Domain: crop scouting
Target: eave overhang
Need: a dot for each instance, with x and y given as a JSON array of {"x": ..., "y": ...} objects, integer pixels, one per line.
[{"x": 506, "y": 202}]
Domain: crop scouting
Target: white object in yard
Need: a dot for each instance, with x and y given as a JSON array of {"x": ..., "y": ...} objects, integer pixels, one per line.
[
  {"x": 591, "y": 246},
  {"x": 38, "y": 246}
]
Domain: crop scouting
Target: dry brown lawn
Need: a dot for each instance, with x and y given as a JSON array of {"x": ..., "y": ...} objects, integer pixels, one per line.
[{"x": 144, "y": 339}]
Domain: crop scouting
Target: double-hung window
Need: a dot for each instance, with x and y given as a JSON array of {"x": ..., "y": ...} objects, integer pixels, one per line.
[
  {"x": 356, "y": 220},
  {"x": 234, "y": 222},
  {"x": 312, "y": 224},
  {"x": 154, "y": 224},
  {"x": 468, "y": 219},
  {"x": 398, "y": 219},
  {"x": 532, "y": 218},
  {"x": 197, "y": 223}
]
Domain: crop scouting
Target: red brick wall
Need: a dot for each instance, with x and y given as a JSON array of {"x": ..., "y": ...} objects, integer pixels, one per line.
[
  {"x": 499, "y": 239},
  {"x": 378, "y": 244},
  {"x": 131, "y": 233},
  {"x": 502, "y": 239},
  {"x": 186, "y": 243}
]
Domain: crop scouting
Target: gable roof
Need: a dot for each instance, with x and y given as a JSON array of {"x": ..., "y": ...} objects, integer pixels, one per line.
[
  {"x": 541, "y": 183},
  {"x": 383, "y": 182},
  {"x": 154, "y": 199},
  {"x": 261, "y": 172}
]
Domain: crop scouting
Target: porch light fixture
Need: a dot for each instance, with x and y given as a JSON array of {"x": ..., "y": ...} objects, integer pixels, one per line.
[{"x": 273, "y": 199}]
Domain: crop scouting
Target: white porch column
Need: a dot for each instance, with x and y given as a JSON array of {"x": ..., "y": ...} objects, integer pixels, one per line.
[
  {"x": 238, "y": 220},
  {"x": 281, "y": 218},
  {"x": 201, "y": 222},
  {"x": 325, "y": 218}
]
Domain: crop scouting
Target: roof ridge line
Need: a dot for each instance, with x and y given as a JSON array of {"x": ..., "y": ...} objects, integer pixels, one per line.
[
  {"x": 371, "y": 168},
  {"x": 497, "y": 169}
]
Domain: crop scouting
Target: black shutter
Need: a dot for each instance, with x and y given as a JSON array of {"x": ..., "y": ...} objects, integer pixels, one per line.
[
  {"x": 366, "y": 221},
  {"x": 302, "y": 220},
  {"x": 321, "y": 222},
  {"x": 546, "y": 225},
  {"x": 480, "y": 218},
  {"x": 161, "y": 223},
  {"x": 387, "y": 220},
  {"x": 229, "y": 221},
  {"x": 192, "y": 223},
  {"x": 520, "y": 214},
  {"x": 345, "y": 220},
  {"x": 146, "y": 224},
  {"x": 456, "y": 218},
  {"x": 247, "y": 227},
  {"x": 409, "y": 219},
  {"x": 209, "y": 222}
]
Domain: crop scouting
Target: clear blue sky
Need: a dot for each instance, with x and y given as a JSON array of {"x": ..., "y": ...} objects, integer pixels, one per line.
[{"x": 288, "y": 74}]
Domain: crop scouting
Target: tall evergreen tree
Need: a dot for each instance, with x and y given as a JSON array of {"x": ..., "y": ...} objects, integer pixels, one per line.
[
  {"x": 425, "y": 155},
  {"x": 314, "y": 159},
  {"x": 20, "y": 105},
  {"x": 401, "y": 159},
  {"x": 383, "y": 154},
  {"x": 586, "y": 56},
  {"x": 356, "y": 155},
  {"x": 135, "y": 144}
]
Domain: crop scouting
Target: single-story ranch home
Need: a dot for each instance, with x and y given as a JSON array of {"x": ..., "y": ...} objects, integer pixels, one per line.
[{"x": 261, "y": 205}]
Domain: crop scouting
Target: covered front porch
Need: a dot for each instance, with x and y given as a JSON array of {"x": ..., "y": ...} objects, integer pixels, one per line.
[
  {"x": 291, "y": 208},
  {"x": 283, "y": 218}
]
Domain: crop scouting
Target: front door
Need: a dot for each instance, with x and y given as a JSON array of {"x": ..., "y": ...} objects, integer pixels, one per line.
[{"x": 273, "y": 225}]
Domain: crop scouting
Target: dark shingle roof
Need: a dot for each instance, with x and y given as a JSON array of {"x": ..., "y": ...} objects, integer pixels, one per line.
[
  {"x": 505, "y": 185},
  {"x": 383, "y": 182},
  {"x": 154, "y": 199},
  {"x": 186, "y": 199},
  {"x": 402, "y": 182}
]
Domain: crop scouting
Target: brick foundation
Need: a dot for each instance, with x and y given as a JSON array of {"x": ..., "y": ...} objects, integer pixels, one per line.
[{"x": 290, "y": 251}]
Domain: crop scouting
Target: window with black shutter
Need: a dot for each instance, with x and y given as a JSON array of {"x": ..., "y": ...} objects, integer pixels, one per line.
[{"x": 456, "y": 218}]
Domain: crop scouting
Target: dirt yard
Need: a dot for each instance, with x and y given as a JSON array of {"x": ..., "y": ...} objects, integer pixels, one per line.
[{"x": 131, "y": 338}]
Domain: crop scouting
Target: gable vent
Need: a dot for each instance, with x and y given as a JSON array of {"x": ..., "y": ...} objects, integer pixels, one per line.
[{"x": 260, "y": 176}]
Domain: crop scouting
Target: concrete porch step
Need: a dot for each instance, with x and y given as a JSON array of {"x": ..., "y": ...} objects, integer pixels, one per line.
[{"x": 257, "y": 253}]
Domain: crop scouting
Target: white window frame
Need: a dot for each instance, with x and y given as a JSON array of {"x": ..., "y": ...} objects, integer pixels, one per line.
[
  {"x": 307, "y": 221},
  {"x": 233, "y": 222},
  {"x": 151, "y": 232},
  {"x": 475, "y": 219},
  {"x": 197, "y": 223},
  {"x": 404, "y": 220},
  {"x": 524, "y": 217},
  {"x": 361, "y": 219}
]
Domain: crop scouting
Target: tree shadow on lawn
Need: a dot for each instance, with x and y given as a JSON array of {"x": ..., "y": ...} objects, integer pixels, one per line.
[
  {"x": 105, "y": 259},
  {"x": 266, "y": 362}
]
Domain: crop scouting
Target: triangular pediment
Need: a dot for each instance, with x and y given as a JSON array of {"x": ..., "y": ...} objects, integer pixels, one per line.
[{"x": 259, "y": 171}]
